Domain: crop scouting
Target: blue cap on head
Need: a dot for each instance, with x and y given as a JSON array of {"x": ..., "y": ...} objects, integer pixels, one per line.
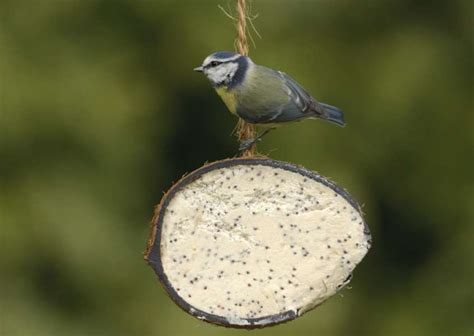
[{"x": 224, "y": 55}]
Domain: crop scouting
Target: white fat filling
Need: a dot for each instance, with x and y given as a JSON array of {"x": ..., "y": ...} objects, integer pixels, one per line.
[{"x": 252, "y": 241}]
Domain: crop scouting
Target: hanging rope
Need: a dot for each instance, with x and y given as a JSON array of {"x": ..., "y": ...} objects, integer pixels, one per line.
[
  {"x": 242, "y": 27},
  {"x": 244, "y": 130}
]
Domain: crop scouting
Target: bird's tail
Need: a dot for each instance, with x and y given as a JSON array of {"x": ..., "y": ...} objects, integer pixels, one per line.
[{"x": 330, "y": 113}]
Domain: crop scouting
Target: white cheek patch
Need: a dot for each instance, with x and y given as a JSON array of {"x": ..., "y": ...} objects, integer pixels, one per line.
[{"x": 222, "y": 72}]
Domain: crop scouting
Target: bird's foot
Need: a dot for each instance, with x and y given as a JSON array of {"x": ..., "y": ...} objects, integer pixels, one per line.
[{"x": 246, "y": 144}]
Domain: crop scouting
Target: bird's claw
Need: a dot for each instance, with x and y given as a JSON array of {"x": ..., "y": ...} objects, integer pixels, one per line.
[{"x": 246, "y": 144}]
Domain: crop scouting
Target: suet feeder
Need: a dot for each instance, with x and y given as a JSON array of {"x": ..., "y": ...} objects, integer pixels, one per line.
[{"x": 251, "y": 242}]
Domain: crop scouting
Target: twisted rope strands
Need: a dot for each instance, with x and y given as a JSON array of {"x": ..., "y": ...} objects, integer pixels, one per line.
[{"x": 244, "y": 130}]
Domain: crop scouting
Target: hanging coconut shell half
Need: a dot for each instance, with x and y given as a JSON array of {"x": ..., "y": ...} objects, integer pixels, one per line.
[{"x": 253, "y": 242}]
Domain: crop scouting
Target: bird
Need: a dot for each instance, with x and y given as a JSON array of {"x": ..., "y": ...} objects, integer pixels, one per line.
[{"x": 262, "y": 96}]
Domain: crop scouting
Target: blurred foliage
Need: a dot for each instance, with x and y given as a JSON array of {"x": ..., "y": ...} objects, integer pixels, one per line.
[{"x": 100, "y": 112}]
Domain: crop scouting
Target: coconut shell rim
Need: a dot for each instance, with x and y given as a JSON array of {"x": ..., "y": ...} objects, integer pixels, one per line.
[{"x": 152, "y": 253}]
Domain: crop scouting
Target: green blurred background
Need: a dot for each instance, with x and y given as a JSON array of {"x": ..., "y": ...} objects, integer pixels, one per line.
[{"x": 100, "y": 112}]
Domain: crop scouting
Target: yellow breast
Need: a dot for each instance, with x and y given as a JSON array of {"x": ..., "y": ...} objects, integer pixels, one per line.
[{"x": 228, "y": 97}]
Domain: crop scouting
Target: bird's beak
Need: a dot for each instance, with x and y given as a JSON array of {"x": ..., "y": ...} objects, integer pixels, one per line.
[{"x": 199, "y": 69}]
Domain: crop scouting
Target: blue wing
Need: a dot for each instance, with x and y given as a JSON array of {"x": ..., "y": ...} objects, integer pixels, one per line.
[
  {"x": 290, "y": 101},
  {"x": 302, "y": 105}
]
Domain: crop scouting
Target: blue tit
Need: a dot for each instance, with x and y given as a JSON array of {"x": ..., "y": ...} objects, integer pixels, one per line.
[{"x": 260, "y": 95}]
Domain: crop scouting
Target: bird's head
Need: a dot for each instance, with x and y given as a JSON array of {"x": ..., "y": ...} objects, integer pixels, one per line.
[{"x": 224, "y": 68}]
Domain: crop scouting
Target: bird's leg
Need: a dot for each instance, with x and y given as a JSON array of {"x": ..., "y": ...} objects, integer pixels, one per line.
[{"x": 244, "y": 145}]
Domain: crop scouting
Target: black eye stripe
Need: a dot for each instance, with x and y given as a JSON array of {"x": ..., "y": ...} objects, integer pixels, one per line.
[{"x": 216, "y": 63}]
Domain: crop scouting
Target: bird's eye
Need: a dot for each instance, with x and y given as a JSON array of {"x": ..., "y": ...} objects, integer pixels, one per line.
[{"x": 215, "y": 63}]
